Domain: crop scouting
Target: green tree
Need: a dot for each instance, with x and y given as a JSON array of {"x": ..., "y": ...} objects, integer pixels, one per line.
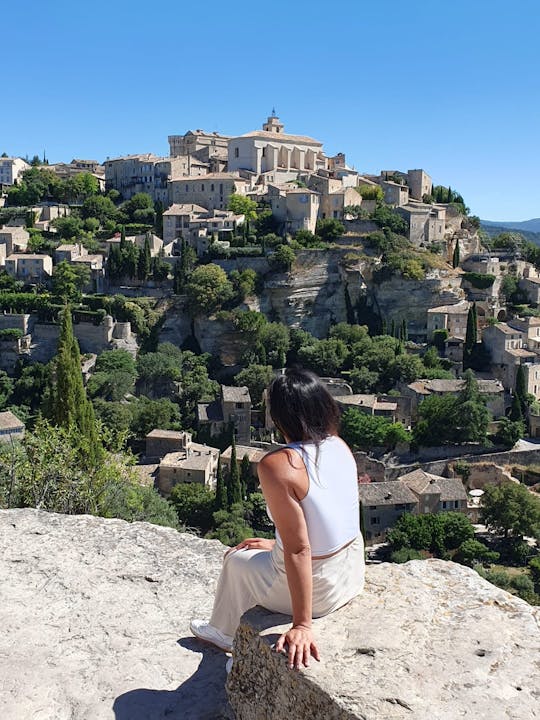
[
  {"x": 69, "y": 280},
  {"x": 534, "y": 569},
  {"x": 473, "y": 419},
  {"x": 69, "y": 406},
  {"x": 194, "y": 505},
  {"x": 221, "y": 500},
  {"x": 245, "y": 475},
  {"x": 6, "y": 388},
  {"x": 282, "y": 259},
  {"x": 241, "y": 205},
  {"x": 144, "y": 262},
  {"x": 473, "y": 551},
  {"x": 99, "y": 207},
  {"x": 455, "y": 255},
  {"x": 511, "y": 508},
  {"x": 510, "y": 431},
  {"x": 329, "y": 229},
  {"x": 207, "y": 289},
  {"x": 68, "y": 227},
  {"x": 437, "y": 418},
  {"x": 471, "y": 336},
  {"x": 256, "y": 378},
  {"x": 234, "y": 487},
  {"x": 363, "y": 431},
  {"x": 521, "y": 390},
  {"x": 371, "y": 192}
]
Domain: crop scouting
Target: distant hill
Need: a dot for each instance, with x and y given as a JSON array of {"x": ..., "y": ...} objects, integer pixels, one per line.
[
  {"x": 521, "y": 225},
  {"x": 495, "y": 228}
]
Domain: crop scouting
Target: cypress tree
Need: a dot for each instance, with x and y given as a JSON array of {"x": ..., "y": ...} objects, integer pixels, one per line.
[
  {"x": 470, "y": 337},
  {"x": 234, "y": 489},
  {"x": 69, "y": 406},
  {"x": 384, "y": 327},
  {"x": 404, "y": 330},
  {"x": 177, "y": 283},
  {"x": 144, "y": 261},
  {"x": 516, "y": 414},
  {"x": 245, "y": 475},
  {"x": 122, "y": 237},
  {"x": 392, "y": 328},
  {"x": 455, "y": 256},
  {"x": 221, "y": 502},
  {"x": 521, "y": 390}
]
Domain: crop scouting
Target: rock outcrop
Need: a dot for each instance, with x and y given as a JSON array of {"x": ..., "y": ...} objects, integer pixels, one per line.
[
  {"x": 95, "y": 621},
  {"x": 427, "y": 640},
  {"x": 94, "y": 616}
]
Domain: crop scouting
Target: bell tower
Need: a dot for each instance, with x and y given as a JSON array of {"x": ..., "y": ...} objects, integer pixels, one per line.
[{"x": 273, "y": 125}]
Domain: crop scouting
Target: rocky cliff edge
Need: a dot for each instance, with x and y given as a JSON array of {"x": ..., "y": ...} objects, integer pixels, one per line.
[{"x": 94, "y": 616}]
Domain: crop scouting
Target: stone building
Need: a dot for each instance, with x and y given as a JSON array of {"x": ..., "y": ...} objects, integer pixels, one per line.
[
  {"x": 11, "y": 428},
  {"x": 232, "y": 407},
  {"x": 294, "y": 208},
  {"x": 491, "y": 390},
  {"x": 418, "y": 492},
  {"x": 198, "y": 144},
  {"x": 275, "y": 156},
  {"x": 426, "y": 222},
  {"x": 395, "y": 193},
  {"x": 190, "y": 463},
  {"x": 369, "y": 405},
  {"x": 255, "y": 455},
  {"x": 211, "y": 191},
  {"x": 419, "y": 183},
  {"x": 452, "y": 318},
  {"x": 11, "y": 169},
  {"x": 13, "y": 240},
  {"x": 30, "y": 268},
  {"x": 146, "y": 173}
]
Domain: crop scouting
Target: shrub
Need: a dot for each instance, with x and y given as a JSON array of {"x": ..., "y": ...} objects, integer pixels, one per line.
[{"x": 480, "y": 281}]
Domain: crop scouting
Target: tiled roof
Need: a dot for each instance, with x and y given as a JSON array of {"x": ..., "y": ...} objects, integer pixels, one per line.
[
  {"x": 421, "y": 482},
  {"x": 280, "y": 137},
  {"x": 9, "y": 421},
  {"x": 386, "y": 493},
  {"x": 235, "y": 394}
]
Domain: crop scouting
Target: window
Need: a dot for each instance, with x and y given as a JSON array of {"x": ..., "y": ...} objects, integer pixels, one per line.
[
  {"x": 212, "y": 187},
  {"x": 375, "y": 520},
  {"x": 236, "y": 152}
]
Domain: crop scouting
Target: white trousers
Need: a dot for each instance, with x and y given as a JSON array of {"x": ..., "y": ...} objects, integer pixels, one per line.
[{"x": 258, "y": 577}]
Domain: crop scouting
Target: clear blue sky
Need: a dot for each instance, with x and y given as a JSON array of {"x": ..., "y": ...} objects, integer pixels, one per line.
[{"x": 452, "y": 87}]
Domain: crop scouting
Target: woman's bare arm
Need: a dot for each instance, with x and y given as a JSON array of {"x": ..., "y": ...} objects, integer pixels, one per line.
[{"x": 280, "y": 481}]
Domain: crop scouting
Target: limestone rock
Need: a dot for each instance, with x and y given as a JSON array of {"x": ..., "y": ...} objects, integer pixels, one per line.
[
  {"x": 428, "y": 640},
  {"x": 94, "y": 616}
]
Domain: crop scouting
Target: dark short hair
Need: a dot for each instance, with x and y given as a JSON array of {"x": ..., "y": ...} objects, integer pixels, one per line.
[{"x": 301, "y": 407}]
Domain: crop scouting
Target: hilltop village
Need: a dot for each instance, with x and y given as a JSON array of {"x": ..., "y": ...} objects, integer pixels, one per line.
[{"x": 188, "y": 281}]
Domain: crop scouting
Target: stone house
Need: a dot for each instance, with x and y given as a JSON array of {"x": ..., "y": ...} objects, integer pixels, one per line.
[
  {"x": 381, "y": 505},
  {"x": 210, "y": 191},
  {"x": 233, "y": 406},
  {"x": 198, "y": 144},
  {"x": 11, "y": 428},
  {"x": 294, "y": 208},
  {"x": 436, "y": 493},
  {"x": 156, "y": 243},
  {"x": 369, "y": 405},
  {"x": 194, "y": 463},
  {"x": 159, "y": 443},
  {"x": 274, "y": 155},
  {"x": 177, "y": 219},
  {"x": 491, "y": 390},
  {"x": 509, "y": 348},
  {"x": 13, "y": 240},
  {"x": 31, "y": 268},
  {"x": 426, "y": 222},
  {"x": 419, "y": 183},
  {"x": 146, "y": 173},
  {"x": 334, "y": 202},
  {"x": 452, "y": 318},
  {"x": 531, "y": 286},
  {"x": 69, "y": 252},
  {"x": 11, "y": 168},
  {"x": 395, "y": 193},
  {"x": 417, "y": 492}
]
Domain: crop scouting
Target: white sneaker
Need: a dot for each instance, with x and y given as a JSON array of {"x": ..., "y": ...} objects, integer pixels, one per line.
[{"x": 204, "y": 631}]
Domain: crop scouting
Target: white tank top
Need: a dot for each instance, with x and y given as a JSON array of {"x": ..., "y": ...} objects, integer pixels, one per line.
[{"x": 331, "y": 506}]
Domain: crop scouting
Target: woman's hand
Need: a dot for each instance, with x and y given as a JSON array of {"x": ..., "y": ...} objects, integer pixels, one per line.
[
  {"x": 253, "y": 544},
  {"x": 300, "y": 646}
]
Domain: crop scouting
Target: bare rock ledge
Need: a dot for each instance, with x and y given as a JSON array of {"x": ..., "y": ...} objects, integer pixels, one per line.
[
  {"x": 94, "y": 616},
  {"x": 428, "y": 640}
]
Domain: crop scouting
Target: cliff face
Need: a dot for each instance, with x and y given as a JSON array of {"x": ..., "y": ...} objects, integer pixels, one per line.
[{"x": 95, "y": 615}]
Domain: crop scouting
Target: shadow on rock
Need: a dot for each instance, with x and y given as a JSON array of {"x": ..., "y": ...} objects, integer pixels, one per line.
[{"x": 200, "y": 697}]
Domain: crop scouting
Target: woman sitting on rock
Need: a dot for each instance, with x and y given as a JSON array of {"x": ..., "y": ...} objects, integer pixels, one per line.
[{"x": 316, "y": 563}]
